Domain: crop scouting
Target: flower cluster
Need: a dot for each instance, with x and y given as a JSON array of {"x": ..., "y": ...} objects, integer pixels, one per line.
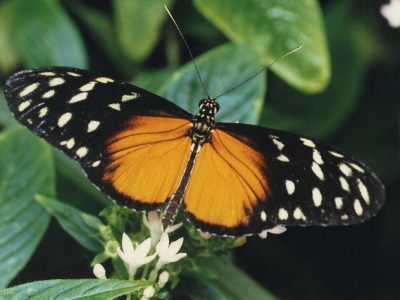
[{"x": 134, "y": 256}]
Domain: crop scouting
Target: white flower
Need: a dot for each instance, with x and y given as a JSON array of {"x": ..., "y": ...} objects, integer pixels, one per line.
[
  {"x": 135, "y": 258},
  {"x": 99, "y": 271},
  {"x": 148, "y": 293},
  {"x": 153, "y": 223},
  {"x": 168, "y": 253},
  {"x": 276, "y": 230},
  {"x": 391, "y": 12},
  {"x": 163, "y": 279}
]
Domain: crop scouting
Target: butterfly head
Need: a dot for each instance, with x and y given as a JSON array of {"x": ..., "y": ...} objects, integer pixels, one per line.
[{"x": 204, "y": 120}]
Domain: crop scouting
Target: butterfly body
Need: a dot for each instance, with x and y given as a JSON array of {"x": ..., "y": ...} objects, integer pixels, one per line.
[{"x": 145, "y": 152}]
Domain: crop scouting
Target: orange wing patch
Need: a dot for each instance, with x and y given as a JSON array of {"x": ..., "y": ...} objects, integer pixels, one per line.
[
  {"x": 227, "y": 181},
  {"x": 148, "y": 158}
]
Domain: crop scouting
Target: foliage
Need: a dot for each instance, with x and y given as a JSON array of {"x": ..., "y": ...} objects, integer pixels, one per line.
[{"x": 347, "y": 103}]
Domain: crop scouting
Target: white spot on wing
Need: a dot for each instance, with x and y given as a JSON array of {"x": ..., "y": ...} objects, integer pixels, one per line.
[
  {"x": 47, "y": 74},
  {"x": 104, "y": 79},
  {"x": 92, "y": 126},
  {"x": 344, "y": 217},
  {"x": 29, "y": 89},
  {"x": 96, "y": 163},
  {"x": 346, "y": 170},
  {"x": 283, "y": 214},
  {"x": 74, "y": 74},
  {"x": 357, "y": 207},
  {"x": 290, "y": 187},
  {"x": 48, "y": 94},
  {"x": 357, "y": 167},
  {"x": 317, "y": 157},
  {"x": 278, "y": 144},
  {"x": 87, "y": 87},
  {"x": 307, "y": 142},
  {"x": 56, "y": 81},
  {"x": 69, "y": 144},
  {"x": 64, "y": 119},
  {"x": 126, "y": 98},
  {"x": 82, "y": 151},
  {"x": 335, "y": 154},
  {"x": 344, "y": 184},
  {"x": 115, "y": 106},
  {"x": 339, "y": 202},
  {"x": 24, "y": 105},
  {"x": 317, "y": 197},
  {"x": 78, "y": 97},
  {"x": 317, "y": 171},
  {"x": 43, "y": 112},
  {"x": 363, "y": 190},
  {"x": 263, "y": 216},
  {"x": 298, "y": 214},
  {"x": 282, "y": 158}
]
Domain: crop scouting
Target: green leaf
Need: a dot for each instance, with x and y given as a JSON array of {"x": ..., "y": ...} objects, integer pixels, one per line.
[
  {"x": 45, "y": 35},
  {"x": 101, "y": 30},
  {"x": 233, "y": 283},
  {"x": 82, "y": 289},
  {"x": 26, "y": 168},
  {"x": 6, "y": 117},
  {"x": 221, "y": 69},
  {"x": 9, "y": 54},
  {"x": 84, "y": 228},
  {"x": 275, "y": 27},
  {"x": 198, "y": 289},
  {"x": 138, "y": 25},
  {"x": 321, "y": 115}
]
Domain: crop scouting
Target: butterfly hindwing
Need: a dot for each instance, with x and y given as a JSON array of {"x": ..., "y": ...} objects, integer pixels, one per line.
[{"x": 82, "y": 113}]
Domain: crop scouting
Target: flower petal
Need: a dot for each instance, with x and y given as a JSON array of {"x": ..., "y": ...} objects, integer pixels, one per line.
[
  {"x": 162, "y": 246},
  {"x": 177, "y": 257},
  {"x": 147, "y": 259},
  {"x": 142, "y": 250},
  {"x": 174, "y": 227},
  {"x": 175, "y": 246},
  {"x": 127, "y": 246},
  {"x": 122, "y": 255}
]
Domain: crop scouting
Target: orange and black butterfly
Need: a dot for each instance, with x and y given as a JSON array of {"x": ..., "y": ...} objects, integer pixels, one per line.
[{"x": 148, "y": 154}]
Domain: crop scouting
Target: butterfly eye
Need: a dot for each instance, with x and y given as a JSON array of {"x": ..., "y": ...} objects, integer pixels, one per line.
[
  {"x": 216, "y": 107},
  {"x": 202, "y": 103}
]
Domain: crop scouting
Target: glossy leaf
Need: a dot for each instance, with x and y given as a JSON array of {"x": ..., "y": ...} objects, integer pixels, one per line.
[
  {"x": 84, "y": 228},
  {"x": 82, "y": 289},
  {"x": 138, "y": 25},
  {"x": 221, "y": 69},
  {"x": 45, "y": 35},
  {"x": 321, "y": 115},
  {"x": 9, "y": 54},
  {"x": 275, "y": 27},
  {"x": 102, "y": 32},
  {"x": 23, "y": 221}
]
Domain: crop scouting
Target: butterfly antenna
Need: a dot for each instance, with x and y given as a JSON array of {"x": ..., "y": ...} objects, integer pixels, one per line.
[
  {"x": 262, "y": 70},
  {"x": 187, "y": 46}
]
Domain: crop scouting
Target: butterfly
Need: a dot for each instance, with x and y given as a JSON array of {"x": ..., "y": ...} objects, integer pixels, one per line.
[{"x": 147, "y": 153}]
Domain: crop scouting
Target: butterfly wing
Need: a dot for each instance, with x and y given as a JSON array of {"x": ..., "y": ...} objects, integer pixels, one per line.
[
  {"x": 256, "y": 178},
  {"x": 116, "y": 131}
]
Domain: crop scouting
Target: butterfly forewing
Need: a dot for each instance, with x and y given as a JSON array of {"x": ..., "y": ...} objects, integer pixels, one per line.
[{"x": 80, "y": 112}]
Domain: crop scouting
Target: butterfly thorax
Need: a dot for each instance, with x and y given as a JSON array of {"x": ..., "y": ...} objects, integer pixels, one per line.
[{"x": 204, "y": 121}]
